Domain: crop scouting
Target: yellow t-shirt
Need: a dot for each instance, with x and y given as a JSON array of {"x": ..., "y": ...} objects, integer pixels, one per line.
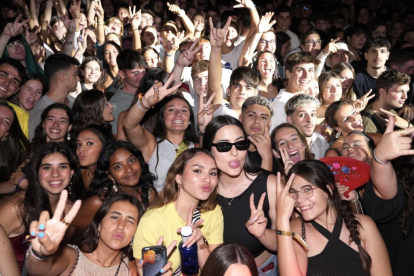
[
  {"x": 23, "y": 118},
  {"x": 165, "y": 221}
]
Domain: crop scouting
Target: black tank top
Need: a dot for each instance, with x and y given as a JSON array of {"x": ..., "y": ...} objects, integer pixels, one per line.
[
  {"x": 238, "y": 213},
  {"x": 337, "y": 258}
]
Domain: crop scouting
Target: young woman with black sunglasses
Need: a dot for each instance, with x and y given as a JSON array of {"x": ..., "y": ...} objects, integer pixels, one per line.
[{"x": 246, "y": 192}]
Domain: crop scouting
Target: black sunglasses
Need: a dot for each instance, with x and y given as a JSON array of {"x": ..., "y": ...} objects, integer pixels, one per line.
[{"x": 226, "y": 146}]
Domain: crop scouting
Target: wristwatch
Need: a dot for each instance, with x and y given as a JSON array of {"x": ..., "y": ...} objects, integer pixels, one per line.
[{"x": 203, "y": 246}]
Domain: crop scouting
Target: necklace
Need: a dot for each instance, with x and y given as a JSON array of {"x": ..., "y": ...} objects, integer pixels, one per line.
[
  {"x": 229, "y": 202},
  {"x": 100, "y": 261}
]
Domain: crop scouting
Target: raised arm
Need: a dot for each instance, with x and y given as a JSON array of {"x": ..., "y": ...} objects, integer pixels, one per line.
[
  {"x": 254, "y": 15},
  {"x": 184, "y": 59},
  {"x": 217, "y": 37},
  {"x": 100, "y": 14},
  {"x": 135, "y": 18},
  {"x": 11, "y": 30},
  {"x": 171, "y": 46},
  {"x": 47, "y": 16},
  {"x": 188, "y": 24},
  {"x": 392, "y": 145},
  {"x": 139, "y": 137}
]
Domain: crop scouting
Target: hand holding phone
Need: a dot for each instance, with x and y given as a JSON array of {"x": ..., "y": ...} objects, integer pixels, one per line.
[{"x": 155, "y": 257}]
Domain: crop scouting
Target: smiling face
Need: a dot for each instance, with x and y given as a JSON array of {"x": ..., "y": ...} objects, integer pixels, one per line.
[
  {"x": 267, "y": 42},
  {"x": 255, "y": 118},
  {"x": 37, "y": 49},
  {"x": 151, "y": 58},
  {"x": 92, "y": 72},
  {"x": 283, "y": 21},
  {"x": 289, "y": 139},
  {"x": 199, "y": 23},
  {"x": 231, "y": 36},
  {"x": 30, "y": 93},
  {"x": 176, "y": 115},
  {"x": 107, "y": 115},
  {"x": 88, "y": 148},
  {"x": 396, "y": 29},
  {"x": 313, "y": 207},
  {"x": 124, "y": 168},
  {"x": 266, "y": 65},
  {"x": 356, "y": 146},
  {"x": 204, "y": 53},
  {"x": 6, "y": 121},
  {"x": 312, "y": 44},
  {"x": 347, "y": 80},
  {"x": 332, "y": 91},
  {"x": 199, "y": 178},
  {"x": 118, "y": 227},
  {"x": 313, "y": 89},
  {"x": 114, "y": 26},
  {"x": 396, "y": 95},
  {"x": 304, "y": 118},
  {"x": 54, "y": 173},
  {"x": 110, "y": 54},
  {"x": 200, "y": 81},
  {"x": 56, "y": 125},
  {"x": 149, "y": 37},
  {"x": 348, "y": 119},
  {"x": 232, "y": 162},
  {"x": 9, "y": 81},
  {"x": 300, "y": 77}
]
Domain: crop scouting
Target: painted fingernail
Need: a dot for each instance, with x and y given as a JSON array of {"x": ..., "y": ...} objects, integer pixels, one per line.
[
  {"x": 42, "y": 227},
  {"x": 41, "y": 235},
  {"x": 141, "y": 261},
  {"x": 162, "y": 270},
  {"x": 33, "y": 234}
]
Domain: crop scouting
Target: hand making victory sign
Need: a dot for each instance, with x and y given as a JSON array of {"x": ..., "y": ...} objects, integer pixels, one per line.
[{"x": 256, "y": 225}]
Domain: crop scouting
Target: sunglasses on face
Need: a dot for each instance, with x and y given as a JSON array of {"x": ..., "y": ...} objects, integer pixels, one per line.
[{"x": 226, "y": 146}]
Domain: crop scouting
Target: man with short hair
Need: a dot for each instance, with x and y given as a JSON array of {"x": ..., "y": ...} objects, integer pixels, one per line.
[
  {"x": 132, "y": 67},
  {"x": 147, "y": 18},
  {"x": 322, "y": 22},
  {"x": 377, "y": 51},
  {"x": 300, "y": 70},
  {"x": 255, "y": 117},
  {"x": 12, "y": 75},
  {"x": 283, "y": 16},
  {"x": 392, "y": 89},
  {"x": 301, "y": 112},
  {"x": 62, "y": 72},
  {"x": 403, "y": 61}
]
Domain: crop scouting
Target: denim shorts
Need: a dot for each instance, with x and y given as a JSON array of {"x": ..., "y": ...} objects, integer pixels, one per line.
[{"x": 269, "y": 267}]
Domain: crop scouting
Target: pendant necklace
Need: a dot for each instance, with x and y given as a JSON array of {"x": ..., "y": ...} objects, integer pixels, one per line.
[{"x": 229, "y": 202}]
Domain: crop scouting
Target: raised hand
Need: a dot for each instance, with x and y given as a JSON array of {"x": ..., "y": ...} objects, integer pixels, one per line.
[
  {"x": 205, "y": 112},
  {"x": 197, "y": 235},
  {"x": 342, "y": 189},
  {"x": 15, "y": 28},
  {"x": 99, "y": 11},
  {"x": 156, "y": 93},
  {"x": 247, "y": 58},
  {"x": 245, "y": 4},
  {"x": 75, "y": 8},
  {"x": 172, "y": 43},
  {"x": 48, "y": 233},
  {"x": 82, "y": 41},
  {"x": 217, "y": 36},
  {"x": 362, "y": 102},
  {"x": 287, "y": 161},
  {"x": 331, "y": 47},
  {"x": 31, "y": 37},
  {"x": 256, "y": 225},
  {"x": 175, "y": 9},
  {"x": 399, "y": 122},
  {"x": 264, "y": 23},
  {"x": 262, "y": 142},
  {"x": 167, "y": 267},
  {"x": 285, "y": 203},
  {"x": 186, "y": 58},
  {"x": 394, "y": 144},
  {"x": 135, "y": 18}
]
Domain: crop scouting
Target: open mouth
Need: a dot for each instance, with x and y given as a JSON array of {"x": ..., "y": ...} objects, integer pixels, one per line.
[
  {"x": 306, "y": 207},
  {"x": 295, "y": 156}
]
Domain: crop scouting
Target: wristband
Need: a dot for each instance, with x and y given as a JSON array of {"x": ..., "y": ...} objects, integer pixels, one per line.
[
  {"x": 37, "y": 255},
  {"x": 379, "y": 161},
  {"x": 252, "y": 9},
  {"x": 18, "y": 183},
  {"x": 295, "y": 236},
  {"x": 101, "y": 23},
  {"x": 168, "y": 54}
]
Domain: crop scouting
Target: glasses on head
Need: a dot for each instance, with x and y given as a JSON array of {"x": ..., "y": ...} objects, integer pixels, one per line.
[
  {"x": 264, "y": 41},
  {"x": 313, "y": 42},
  {"x": 306, "y": 191},
  {"x": 12, "y": 44},
  {"x": 226, "y": 146}
]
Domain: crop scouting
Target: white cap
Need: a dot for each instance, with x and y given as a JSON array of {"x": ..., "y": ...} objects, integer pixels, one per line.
[{"x": 186, "y": 231}]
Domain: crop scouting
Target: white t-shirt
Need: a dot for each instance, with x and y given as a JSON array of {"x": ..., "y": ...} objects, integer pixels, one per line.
[
  {"x": 225, "y": 109},
  {"x": 231, "y": 60},
  {"x": 319, "y": 145},
  {"x": 278, "y": 105},
  {"x": 294, "y": 40}
]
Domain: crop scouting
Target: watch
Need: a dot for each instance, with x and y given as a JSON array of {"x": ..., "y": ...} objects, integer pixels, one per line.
[{"x": 203, "y": 246}]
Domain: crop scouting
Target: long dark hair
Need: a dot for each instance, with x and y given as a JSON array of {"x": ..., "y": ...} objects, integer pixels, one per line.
[
  {"x": 15, "y": 98},
  {"x": 331, "y": 112},
  {"x": 224, "y": 256},
  {"x": 317, "y": 173},
  {"x": 211, "y": 131},
  {"x": 103, "y": 187},
  {"x": 82, "y": 67},
  {"x": 40, "y": 134},
  {"x": 36, "y": 199},
  {"x": 88, "y": 242},
  {"x": 106, "y": 70},
  {"x": 104, "y": 135},
  {"x": 170, "y": 191},
  {"x": 12, "y": 148},
  {"x": 88, "y": 109}
]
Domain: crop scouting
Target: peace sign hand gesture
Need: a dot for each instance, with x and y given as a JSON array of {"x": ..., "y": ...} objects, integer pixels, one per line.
[
  {"x": 31, "y": 37},
  {"x": 287, "y": 161},
  {"x": 361, "y": 103},
  {"x": 135, "y": 18},
  {"x": 262, "y": 142},
  {"x": 15, "y": 28},
  {"x": 186, "y": 58},
  {"x": 205, "y": 112},
  {"x": 285, "y": 203},
  {"x": 218, "y": 36},
  {"x": 197, "y": 235},
  {"x": 256, "y": 225},
  {"x": 156, "y": 93},
  {"x": 248, "y": 4},
  {"x": 48, "y": 233}
]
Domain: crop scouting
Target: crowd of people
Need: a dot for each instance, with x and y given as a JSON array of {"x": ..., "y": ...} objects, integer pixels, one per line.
[{"x": 122, "y": 121}]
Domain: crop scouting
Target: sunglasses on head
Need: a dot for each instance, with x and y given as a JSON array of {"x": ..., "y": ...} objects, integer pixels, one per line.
[{"x": 226, "y": 146}]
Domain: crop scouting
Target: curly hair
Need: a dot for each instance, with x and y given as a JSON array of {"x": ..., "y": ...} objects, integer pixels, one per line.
[{"x": 103, "y": 187}]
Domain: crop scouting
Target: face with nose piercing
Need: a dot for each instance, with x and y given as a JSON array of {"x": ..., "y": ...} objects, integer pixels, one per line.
[{"x": 124, "y": 168}]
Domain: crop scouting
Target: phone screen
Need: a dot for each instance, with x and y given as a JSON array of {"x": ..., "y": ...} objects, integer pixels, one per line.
[{"x": 155, "y": 257}]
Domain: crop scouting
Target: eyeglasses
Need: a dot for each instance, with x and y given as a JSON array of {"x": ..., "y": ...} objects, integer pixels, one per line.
[
  {"x": 264, "y": 41},
  {"x": 313, "y": 42},
  {"x": 12, "y": 44},
  {"x": 226, "y": 146},
  {"x": 148, "y": 19},
  {"x": 306, "y": 191}
]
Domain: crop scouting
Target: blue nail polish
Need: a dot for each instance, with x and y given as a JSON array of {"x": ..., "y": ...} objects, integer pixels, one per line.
[
  {"x": 42, "y": 227},
  {"x": 162, "y": 270},
  {"x": 141, "y": 261},
  {"x": 33, "y": 234},
  {"x": 41, "y": 235}
]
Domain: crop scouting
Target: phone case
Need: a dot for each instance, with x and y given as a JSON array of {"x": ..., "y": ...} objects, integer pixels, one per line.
[{"x": 155, "y": 257}]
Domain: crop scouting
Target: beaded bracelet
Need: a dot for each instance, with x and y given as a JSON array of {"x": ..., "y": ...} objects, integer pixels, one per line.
[
  {"x": 18, "y": 183},
  {"x": 141, "y": 105},
  {"x": 379, "y": 161}
]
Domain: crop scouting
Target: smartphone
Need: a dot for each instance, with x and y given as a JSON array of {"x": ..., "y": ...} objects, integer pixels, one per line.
[{"x": 155, "y": 257}]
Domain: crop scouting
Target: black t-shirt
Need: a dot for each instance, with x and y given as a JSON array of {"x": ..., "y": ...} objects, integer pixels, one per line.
[
  {"x": 363, "y": 83},
  {"x": 387, "y": 215}
]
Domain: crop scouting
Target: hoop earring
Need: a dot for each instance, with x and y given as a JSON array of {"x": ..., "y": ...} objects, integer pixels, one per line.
[{"x": 338, "y": 134}]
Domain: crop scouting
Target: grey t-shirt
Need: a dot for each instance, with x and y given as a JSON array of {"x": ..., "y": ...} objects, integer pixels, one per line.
[
  {"x": 36, "y": 113},
  {"x": 121, "y": 101}
]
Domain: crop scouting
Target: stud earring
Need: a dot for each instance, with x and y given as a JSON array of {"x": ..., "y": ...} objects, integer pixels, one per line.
[
  {"x": 68, "y": 136},
  {"x": 114, "y": 186}
]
